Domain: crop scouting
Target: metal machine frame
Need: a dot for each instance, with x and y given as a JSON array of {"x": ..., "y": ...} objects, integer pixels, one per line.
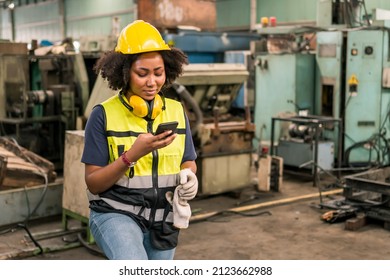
[
  {"x": 317, "y": 123},
  {"x": 40, "y": 98}
]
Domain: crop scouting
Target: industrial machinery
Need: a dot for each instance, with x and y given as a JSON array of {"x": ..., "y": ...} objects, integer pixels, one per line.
[
  {"x": 339, "y": 71},
  {"x": 208, "y": 47},
  {"x": 352, "y": 81},
  {"x": 304, "y": 144},
  {"x": 219, "y": 47},
  {"x": 353, "y": 74},
  {"x": 40, "y": 98},
  {"x": 284, "y": 83},
  {"x": 284, "y": 78},
  {"x": 223, "y": 141}
]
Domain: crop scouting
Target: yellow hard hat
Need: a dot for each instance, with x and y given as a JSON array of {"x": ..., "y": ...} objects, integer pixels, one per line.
[{"x": 138, "y": 37}]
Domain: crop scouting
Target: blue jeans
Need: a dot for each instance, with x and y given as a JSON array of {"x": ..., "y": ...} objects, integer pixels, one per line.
[{"x": 120, "y": 238}]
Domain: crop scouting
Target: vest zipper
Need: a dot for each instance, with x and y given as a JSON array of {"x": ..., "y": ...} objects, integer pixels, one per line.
[{"x": 154, "y": 180}]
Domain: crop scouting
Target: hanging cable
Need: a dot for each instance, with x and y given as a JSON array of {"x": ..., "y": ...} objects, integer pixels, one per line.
[{"x": 365, "y": 12}]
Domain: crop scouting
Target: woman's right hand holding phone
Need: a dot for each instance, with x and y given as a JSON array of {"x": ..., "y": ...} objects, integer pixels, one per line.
[{"x": 147, "y": 142}]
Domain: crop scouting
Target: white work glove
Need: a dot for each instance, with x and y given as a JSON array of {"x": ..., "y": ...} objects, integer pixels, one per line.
[
  {"x": 189, "y": 183},
  {"x": 181, "y": 209}
]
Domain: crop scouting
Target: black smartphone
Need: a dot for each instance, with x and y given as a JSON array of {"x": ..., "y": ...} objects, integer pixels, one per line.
[{"x": 166, "y": 126}]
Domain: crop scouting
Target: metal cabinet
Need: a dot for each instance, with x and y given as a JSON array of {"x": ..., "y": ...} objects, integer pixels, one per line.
[{"x": 284, "y": 84}]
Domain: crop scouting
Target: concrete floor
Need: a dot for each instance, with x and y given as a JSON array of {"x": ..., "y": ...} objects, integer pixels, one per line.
[{"x": 283, "y": 225}]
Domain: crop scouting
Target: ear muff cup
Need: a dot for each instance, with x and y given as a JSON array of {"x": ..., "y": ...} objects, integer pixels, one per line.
[
  {"x": 143, "y": 109},
  {"x": 158, "y": 105},
  {"x": 140, "y": 106}
]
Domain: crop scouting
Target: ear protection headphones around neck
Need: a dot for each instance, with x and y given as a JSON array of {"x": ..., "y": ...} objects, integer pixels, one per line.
[{"x": 143, "y": 108}]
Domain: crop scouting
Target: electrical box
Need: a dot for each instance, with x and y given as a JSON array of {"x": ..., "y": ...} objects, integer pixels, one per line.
[{"x": 364, "y": 60}]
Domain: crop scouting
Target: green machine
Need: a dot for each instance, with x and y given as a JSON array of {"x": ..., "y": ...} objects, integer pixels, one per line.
[
  {"x": 352, "y": 79},
  {"x": 284, "y": 78},
  {"x": 41, "y": 96},
  {"x": 353, "y": 84},
  {"x": 285, "y": 87},
  {"x": 337, "y": 72}
]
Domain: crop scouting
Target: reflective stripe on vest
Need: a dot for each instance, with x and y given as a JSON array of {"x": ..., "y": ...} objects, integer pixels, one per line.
[
  {"x": 140, "y": 210},
  {"x": 147, "y": 182}
]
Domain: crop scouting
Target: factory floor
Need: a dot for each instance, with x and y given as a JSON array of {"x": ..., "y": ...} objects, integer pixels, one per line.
[{"x": 244, "y": 225}]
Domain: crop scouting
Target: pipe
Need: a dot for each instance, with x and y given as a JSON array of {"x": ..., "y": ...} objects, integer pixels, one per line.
[
  {"x": 253, "y": 15},
  {"x": 61, "y": 19},
  {"x": 12, "y": 22},
  {"x": 205, "y": 216},
  {"x": 187, "y": 97}
]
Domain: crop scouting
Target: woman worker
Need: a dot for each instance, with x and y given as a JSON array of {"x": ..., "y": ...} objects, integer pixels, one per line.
[{"x": 139, "y": 182}]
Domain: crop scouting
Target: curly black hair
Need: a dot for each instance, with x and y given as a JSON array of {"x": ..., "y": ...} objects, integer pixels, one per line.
[{"x": 115, "y": 67}]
